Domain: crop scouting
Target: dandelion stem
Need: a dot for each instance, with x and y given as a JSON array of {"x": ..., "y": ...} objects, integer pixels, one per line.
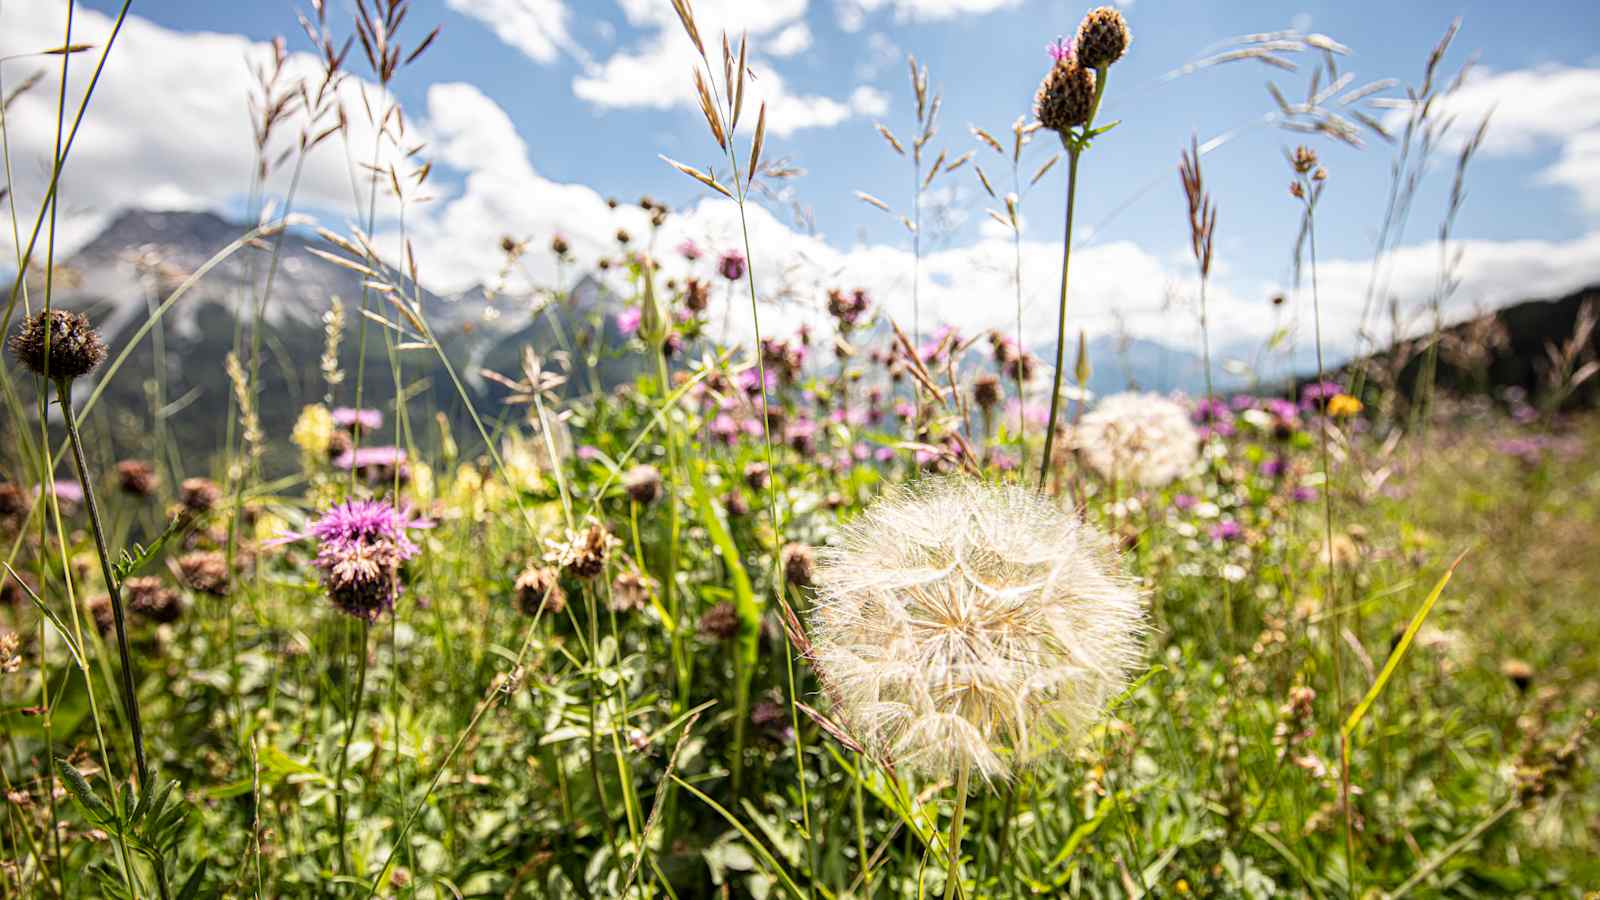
[{"x": 952, "y": 879}]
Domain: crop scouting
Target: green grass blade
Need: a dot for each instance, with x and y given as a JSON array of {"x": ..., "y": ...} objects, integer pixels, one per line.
[{"x": 1400, "y": 649}]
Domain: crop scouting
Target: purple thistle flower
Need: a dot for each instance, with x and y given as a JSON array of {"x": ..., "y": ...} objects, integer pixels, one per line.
[
  {"x": 731, "y": 265},
  {"x": 1184, "y": 502},
  {"x": 689, "y": 249},
  {"x": 361, "y": 545},
  {"x": 628, "y": 321},
  {"x": 348, "y": 417},
  {"x": 1061, "y": 49},
  {"x": 68, "y": 493},
  {"x": 1303, "y": 494},
  {"x": 1226, "y": 531},
  {"x": 1273, "y": 468}
]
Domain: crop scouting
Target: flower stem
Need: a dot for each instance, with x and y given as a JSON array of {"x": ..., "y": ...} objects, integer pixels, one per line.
[
  {"x": 952, "y": 880},
  {"x": 1061, "y": 318},
  {"x": 342, "y": 801},
  {"x": 113, "y": 588}
]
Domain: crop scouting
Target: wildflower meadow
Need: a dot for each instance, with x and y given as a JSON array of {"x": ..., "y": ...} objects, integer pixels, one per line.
[{"x": 617, "y": 579}]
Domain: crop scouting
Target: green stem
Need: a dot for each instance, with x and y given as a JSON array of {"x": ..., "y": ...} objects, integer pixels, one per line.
[
  {"x": 113, "y": 588},
  {"x": 1061, "y": 319},
  {"x": 341, "y": 800},
  {"x": 952, "y": 881}
]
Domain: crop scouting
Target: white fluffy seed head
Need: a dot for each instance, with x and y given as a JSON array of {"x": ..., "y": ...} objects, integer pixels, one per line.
[
  {"x": 963, "y": 622},
  {"x": 1145, "y": 439}
]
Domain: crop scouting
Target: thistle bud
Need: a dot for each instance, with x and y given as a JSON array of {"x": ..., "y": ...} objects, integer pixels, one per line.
[
  {"x": 75, "y": 347},
  {"x": 1103, "y": 37},
  {"x": 643, "y": 484},
  {"x": 720, "y": 622},
  {"x": 1065, "y": 97},
  {"x": 986, "y": 391},
  {"x": 137, "y": 478},
  {"x": 798, "y": 564}
]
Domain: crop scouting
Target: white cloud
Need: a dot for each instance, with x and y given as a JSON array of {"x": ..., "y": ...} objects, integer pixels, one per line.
[
  {"x": 657, "y": 73},
  {"x": 1119, "y": 285},
  {"x": 852, "y": 14},
  {"x": 538, "y": 28},
  {"x": 869, "y": 101},
  {"x": 168, "y": 126},
  {"x": 792, "y": 40},
  {"x": 1530, "y": 109}
]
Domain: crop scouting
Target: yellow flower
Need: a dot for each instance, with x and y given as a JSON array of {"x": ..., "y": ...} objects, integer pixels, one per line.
[
  {"x": 1342, "y": 405},
  {"x": 313, "y": 431},
  {"x": 1181, "y": 887}
]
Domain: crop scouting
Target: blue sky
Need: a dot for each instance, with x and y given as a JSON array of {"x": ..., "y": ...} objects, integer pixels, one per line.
[{"x": 594, "y": 91}]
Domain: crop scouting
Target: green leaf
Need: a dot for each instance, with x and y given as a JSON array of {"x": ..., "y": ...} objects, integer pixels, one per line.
[
  {"x": 85, "y": 795},
  {"x": 191, "y": 887},
  {"x": 1399, "y": 652},
  {"x": 141, "y": 556},
  {"x": 53, "y": 619}
]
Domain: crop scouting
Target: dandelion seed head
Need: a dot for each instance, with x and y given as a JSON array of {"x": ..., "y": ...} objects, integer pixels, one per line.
[
  {"x": 1146, "y": 439},
  {"x": 958, "y": 622}
]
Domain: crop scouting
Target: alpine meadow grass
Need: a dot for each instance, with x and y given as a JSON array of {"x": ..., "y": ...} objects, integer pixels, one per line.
[{"x": 670, "y": 600}]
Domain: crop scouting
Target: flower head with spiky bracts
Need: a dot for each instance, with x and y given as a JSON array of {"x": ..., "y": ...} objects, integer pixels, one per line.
[
  {"x": 962, "y": 624},
  {"x": 1145, "y": 439},
  {"x": 1103, "y": 37},
  {"x": 361, "y": 545},
  {"x": 58, "y": 343}
]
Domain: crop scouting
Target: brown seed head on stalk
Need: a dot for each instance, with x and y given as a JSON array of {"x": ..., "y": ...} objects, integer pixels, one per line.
[
  {"x": 1304, "y": 160},
  {"x": 538, "y": 588},
  {"x": 1103, "y": 37},
  {"x": 1202, "y": 214},
  {"x": 1065, "y": 97},
  {"x": 75, "y": 348}
]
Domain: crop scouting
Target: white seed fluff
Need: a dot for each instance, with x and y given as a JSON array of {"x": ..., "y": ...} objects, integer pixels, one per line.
[
  {"x": 963, "y": 622},
  {"x": 1145, "y": 439}
]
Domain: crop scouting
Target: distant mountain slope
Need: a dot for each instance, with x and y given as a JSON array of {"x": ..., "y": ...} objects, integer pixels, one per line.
[
  {"x": 1507, "y": 348},
  {"x": 136, "y": 261}
]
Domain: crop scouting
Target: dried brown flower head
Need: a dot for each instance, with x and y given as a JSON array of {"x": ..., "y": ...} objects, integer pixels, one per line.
[
  {"x": 1065, "y": 97},
  {"x": 631, "y": 591},
  {"x": 205, "y": 571},
  {"x": 149, "y": 598},
  {"x": 137, "y": 477},
  {"x": 199, "y": 495},
  {"x": 1103, "y": 37},
  {"x": 75, "y": 347},
  {"x": 986, "y": 391},
  {"x": 581, "y": 554},
  {"x": 539, "y": 587},
  {"x": 720, "y": 622},
  {"x": 799, "y": 563}
]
